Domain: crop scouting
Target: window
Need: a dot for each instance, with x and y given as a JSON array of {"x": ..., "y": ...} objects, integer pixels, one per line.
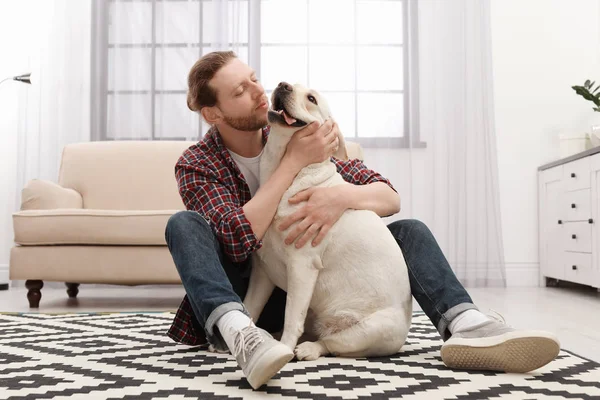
[{"x": 355, "y": 52}]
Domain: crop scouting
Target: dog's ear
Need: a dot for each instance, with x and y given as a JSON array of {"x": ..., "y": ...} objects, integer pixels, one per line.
[{"x": 341, "y": 153}]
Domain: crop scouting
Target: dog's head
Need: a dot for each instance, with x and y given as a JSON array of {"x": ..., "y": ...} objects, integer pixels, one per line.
[{"x": 293, "y": 107}]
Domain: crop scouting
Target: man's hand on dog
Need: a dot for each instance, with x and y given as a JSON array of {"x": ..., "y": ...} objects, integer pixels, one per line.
[
  {"x": 313, "y": 144},
  {"x": 324, "y": 206}
]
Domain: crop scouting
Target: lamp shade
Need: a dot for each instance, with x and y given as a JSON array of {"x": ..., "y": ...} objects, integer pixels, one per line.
[{"x": 23, "y": 78}]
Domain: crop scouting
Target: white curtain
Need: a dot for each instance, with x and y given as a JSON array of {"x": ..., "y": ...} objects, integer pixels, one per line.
[
  {"x": 451, "y": 184},
  {"x": 446, "y": 173},
  {"x": 55, "y": 111},
  {"x": 50, "y": 39}
]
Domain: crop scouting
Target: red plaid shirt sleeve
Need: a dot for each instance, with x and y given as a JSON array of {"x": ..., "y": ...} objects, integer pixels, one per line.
[
  {"x": 201, "y": 191},
  {"x": 354, "y": 171}
]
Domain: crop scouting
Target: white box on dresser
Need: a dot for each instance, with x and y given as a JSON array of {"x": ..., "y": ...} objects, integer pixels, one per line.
[{"x": 569, "y": 219}]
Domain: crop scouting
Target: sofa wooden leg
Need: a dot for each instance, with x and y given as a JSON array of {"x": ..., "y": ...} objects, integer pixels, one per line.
[
  {"x": 34, "y": 294},
  {"x": 72, "y": 289}
]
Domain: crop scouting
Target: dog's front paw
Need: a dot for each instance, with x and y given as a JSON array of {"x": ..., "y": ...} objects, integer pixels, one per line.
[
  {"x": 309, "y": 351},
  {"x": 289, "y": 340}
]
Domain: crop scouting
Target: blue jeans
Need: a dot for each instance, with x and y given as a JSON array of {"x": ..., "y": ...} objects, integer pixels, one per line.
[
  {"x": 215, "y": 285},
  {"x": 432, "y": 281}
]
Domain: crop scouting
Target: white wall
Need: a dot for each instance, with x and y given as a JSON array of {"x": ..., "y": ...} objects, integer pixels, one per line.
[{"x": 540, "y": 49}]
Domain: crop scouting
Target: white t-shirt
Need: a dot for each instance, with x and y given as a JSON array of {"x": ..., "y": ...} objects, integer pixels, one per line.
[{"x": 250, "y": 168}]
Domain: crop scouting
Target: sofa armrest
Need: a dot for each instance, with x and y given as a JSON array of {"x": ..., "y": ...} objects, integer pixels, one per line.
[
  {"x": 354, "y": 150},
  {"x": 45, "y": 195}
]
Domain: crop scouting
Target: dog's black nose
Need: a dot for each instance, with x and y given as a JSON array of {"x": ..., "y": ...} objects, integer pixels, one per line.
[{"x": 285, "y": 86}]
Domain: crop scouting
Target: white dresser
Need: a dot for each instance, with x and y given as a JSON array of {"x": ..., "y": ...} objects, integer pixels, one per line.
[{"x": 569, "y": 219}]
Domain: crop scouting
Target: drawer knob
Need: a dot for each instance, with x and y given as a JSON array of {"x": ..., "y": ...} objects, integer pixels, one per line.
[
  {"x": 573, "y": 205},
  {"x": 572, "y": 174},
  {"x": 590, "y": 221},
  {"x": 560, "y": 221},
  {"x": 574, "y": 267},
  {"x": 573, "y": 236}
]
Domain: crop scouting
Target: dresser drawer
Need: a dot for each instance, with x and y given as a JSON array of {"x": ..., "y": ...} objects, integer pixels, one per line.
[
  {"x": 578, "y": 236},
  {"x": 577, "y": 205},
  {"x": 576, "y": 174},
  {"x": 578, "y": 267}
]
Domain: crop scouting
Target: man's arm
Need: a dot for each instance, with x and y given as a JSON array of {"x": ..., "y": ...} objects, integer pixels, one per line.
[
  {"x": 310, "y": 144},
  {"x": 369, "y": 189},
  {"x": 261, "y": 209},
  {"x": 377, "y": 197},
  {"x": 241, "y": 228},
  {"x": 202, "y": 191}
]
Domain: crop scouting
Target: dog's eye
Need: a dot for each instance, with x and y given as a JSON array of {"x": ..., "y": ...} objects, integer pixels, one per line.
[{"x": 312, "y": 99}]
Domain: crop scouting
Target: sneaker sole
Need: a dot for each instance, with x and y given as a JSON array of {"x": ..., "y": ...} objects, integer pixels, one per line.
[
  {"x": 510, "y": 352},
  {"x": 269, "y": 364}
]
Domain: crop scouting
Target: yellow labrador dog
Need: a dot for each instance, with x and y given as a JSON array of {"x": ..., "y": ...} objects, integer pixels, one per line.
[{"x": 353, "y": 286}]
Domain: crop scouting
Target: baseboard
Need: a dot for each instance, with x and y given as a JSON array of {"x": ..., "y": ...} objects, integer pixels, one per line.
[
  {"x": 4, "y": 276},
  {"x": 522, "y": 274}
]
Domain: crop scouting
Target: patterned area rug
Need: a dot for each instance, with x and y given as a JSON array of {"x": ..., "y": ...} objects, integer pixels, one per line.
[{"x": 128, "y": 356}]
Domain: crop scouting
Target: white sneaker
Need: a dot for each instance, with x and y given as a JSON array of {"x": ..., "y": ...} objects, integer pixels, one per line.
[
  {"x": 494, "y": 346},
  {"x": 259, "y": 355}
]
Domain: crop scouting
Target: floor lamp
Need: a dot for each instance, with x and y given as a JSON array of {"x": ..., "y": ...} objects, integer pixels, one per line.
[{"x": 25, "y": 78}]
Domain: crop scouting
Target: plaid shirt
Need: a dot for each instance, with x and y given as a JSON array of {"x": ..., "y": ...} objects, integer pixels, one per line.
[{"x": 211, "y": 184}]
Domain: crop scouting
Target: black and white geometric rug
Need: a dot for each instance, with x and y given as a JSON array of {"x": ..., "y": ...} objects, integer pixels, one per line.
[{"x": 129, "y": 356}]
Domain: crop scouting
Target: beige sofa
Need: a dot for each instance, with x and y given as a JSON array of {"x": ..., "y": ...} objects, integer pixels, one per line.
[{"x": 104, "y": 222}]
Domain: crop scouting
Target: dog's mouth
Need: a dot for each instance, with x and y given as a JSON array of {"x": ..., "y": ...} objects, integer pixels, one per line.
[{"x": 278, "y": 114}]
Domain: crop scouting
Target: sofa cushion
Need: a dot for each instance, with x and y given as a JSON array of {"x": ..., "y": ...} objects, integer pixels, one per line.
[
  {"x": 44, "y": 195},
  {"x": 130, "y": 175},
  {"x": 92, "y": 227},
  {"x": 124, "y": 175}
]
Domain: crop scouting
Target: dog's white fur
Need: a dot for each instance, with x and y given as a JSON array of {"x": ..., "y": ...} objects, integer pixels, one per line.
[{"x": 353, "y": 286}]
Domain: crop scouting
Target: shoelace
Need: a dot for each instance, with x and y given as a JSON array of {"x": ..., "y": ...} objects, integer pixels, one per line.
[
  {"x": 501, "y": 319},
  {"x": 249, "y": 336}
]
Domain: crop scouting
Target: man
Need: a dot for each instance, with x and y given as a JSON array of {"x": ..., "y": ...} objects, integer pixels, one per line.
[{"x": 228, "y": 214}]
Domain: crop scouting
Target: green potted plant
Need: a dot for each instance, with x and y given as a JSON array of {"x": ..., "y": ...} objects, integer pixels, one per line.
[{"x": 588, "y": 92}]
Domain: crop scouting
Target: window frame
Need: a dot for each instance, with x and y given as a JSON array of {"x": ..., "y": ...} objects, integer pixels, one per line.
[{"x": 99, "y": 73}]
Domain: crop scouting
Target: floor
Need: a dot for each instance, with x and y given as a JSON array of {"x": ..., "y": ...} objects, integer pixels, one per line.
[{"x": 571, "y": 313}]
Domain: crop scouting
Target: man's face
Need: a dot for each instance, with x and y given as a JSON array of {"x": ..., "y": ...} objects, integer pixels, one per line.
[{"x": 240, "y": 97}]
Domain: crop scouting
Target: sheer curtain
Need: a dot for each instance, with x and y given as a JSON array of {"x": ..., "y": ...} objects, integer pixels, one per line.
[
  {"x": 411, "y": 80},
  {"x": 459, "y": 116},
  {"x": 55, "y": 110},
  {"x": 449, "y": 178}
]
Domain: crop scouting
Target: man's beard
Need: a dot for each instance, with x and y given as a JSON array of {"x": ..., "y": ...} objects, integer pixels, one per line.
[{"x": 251, "y": 123}]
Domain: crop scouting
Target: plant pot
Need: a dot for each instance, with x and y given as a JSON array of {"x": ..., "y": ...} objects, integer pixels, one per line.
[
  {"x": 595, "y": 135},
  {"x": 573, "y": 144}
]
